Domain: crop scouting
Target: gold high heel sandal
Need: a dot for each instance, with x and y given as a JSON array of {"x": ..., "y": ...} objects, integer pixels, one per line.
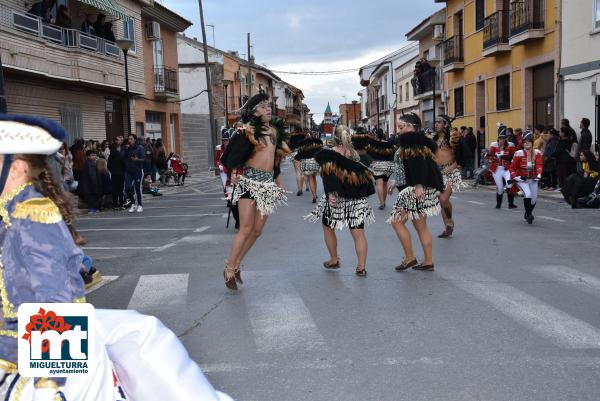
[{"x": 229, "y": 276}]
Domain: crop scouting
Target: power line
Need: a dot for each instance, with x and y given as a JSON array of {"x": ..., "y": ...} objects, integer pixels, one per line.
[{"x": 333, "y": 72}]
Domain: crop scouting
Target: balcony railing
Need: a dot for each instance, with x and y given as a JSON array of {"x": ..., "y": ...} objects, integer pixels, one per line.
[
  {"x": 453, "y": 50},
  {"x": 424, "y": 82},
  {"x": 526, "y": 15},
  {"x": 495, "y": 29},
  {"x": 165, "y": 80},
  {"x": 234, "y": 104},
  {"x": 71, "y": 38}
]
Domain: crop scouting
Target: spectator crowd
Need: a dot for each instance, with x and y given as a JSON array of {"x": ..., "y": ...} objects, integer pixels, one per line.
[{"x": 115, "y": 175}]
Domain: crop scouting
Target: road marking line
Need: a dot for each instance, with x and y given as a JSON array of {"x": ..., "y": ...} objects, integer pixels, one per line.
[
  {"x": 183, "y": 206},
  {"x": 164, "y": 247},
  {"x": 583, "y": 281},
  {"x": 476, "y": 203},
  {"x": 225, "y": 215},
  {"x": 280, "y": 320},
  {"x": 105, "y": 280},
  {"x": 135, "y": 229},
  {"x": 120, "y": 248},
  {"x": 201, "y": 229},
  {"x": 595, "y": 228},
  {"x": 551, "y": 219},
  {"x": 563, "y": 329},
  {"x": 159, "y": 290},
  {"x": 147, "y": 217}
]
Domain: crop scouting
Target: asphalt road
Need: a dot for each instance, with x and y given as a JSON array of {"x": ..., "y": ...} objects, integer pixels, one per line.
[{"x": 511, "y": 312}]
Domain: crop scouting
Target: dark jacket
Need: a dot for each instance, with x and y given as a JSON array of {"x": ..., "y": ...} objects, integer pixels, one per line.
[
  {"x": 116, "y": 161},
  {"x": 585, "y": 140},
  {"x": 470, "y": 145},
  {"x": 562, "y": 152},
  {"x": 105, "y": 183},
  {"x": 90, "y": 183},
  {"x": 417, "y": 154},
  {"x": 134, "y": 166}
]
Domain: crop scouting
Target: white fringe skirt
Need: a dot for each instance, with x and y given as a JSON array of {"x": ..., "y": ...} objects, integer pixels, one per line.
[
  {"x": 309, "y": 166},
  {"x": 383, "y": 168},
  {"x": 454, "y": 179},
  {"x": 265, "y": 193},
  {"x": 345, "y": 213},
  {"x": 408, "y": 207}
]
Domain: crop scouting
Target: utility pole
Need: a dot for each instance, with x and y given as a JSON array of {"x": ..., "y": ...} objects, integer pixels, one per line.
[
  {"x": 249, "y": 69},
  {"x": 212, "y": 135},
  {"x": 3, "y": 108}
]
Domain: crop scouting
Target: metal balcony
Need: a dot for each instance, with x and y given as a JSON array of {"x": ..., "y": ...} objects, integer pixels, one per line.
[
  {"x": 165, "y": 82},
  {"x": 453, "y": 54},
  {"x": 495, "y": 33},
  {"x": 527, "y": 21}
]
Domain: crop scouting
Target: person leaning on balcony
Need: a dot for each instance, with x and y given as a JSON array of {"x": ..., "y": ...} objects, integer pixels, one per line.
[
  {"x": 108, "y": 32},
  {"x": 87, "y": 26},
  {"x": 62, "y": 17},
  {"x": 42, "y": 9},
  {"x": 99, "y": 25}
]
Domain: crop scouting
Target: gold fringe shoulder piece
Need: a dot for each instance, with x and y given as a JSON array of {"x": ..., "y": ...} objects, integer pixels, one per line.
[{"x": 38, "y": 210}]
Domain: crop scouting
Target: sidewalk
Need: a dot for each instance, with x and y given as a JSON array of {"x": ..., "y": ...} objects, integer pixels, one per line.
[{"x": 551, "y": 195}]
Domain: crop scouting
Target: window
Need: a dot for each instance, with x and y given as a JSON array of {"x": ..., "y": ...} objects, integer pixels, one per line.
[
  {"x": 129, "y": 32},
  {"x": 459, "y": 105},
  {"x": 597, "y": 15},
  {"x": 407, "y": 93},
  {"x": 157, "y": 53},
  {"x": 503, "y": 92},
  {"x": 400, "y": 94},
  {"x": 479, "y": 14}
]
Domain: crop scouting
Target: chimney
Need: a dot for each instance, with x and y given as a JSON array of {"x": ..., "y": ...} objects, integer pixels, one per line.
[{"x": 234, "y": 53}]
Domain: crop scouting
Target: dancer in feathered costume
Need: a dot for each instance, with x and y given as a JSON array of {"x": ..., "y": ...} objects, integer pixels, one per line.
[
  {"x": 382, "y": 152},
  {"x": 348, "y": 184},
  {"x": 448, "y": 162},
  {"x": 309, "y": 167},
  {"x": 419, "y": 182},
  {"x": 257, "y": 149},
  {"x": 295, "y": 140},
  {"x": 360, "y": 141}
]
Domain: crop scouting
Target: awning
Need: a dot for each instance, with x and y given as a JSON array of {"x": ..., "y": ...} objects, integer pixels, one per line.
[{"x": 109, "y": 6}]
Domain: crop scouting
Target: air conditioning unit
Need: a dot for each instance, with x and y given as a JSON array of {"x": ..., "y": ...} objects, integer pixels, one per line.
[
  {"x": 153, "y": 30},
  {"x": 438, "y": 32}
]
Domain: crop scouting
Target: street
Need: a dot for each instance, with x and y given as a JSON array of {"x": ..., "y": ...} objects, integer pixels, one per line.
[{"x": 510, "y": 313}]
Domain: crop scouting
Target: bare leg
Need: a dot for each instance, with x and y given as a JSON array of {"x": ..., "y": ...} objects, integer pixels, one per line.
[
  {"x": 312, "y": 183},
  {"x": 381, "y": 191},
  {"x": 247, "y": 212},
  {"x": 257, "y": 227},
  {"x": 361, "y": 246},
  {"x": 446, "y": 212},
  {"x": 299, "y": 176},
  {"x": 425, "y": 238},
  {"x": 331, "y": 243},
  {"x": 404, "y": 237}
]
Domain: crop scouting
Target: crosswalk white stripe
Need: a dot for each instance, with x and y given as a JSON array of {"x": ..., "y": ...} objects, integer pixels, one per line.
[
  {"x": 105, "y": 280},
  {"x": 563, "y": 329},
  {"x": 154, "y": 290},
  {"x": 280, "y": 320},
  {"x": 476, "y": 203},
  {"x": 551, "y": 219},
  {"x": 163, "y": 216},
  {"x": 582, "y": 281}
]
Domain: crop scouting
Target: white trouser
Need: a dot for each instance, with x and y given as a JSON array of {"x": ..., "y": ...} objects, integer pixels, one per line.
[
  {"x": 499, "y": 174},
  {"x": 223, "y": 178},
  {"x": 529, "y": 189}
]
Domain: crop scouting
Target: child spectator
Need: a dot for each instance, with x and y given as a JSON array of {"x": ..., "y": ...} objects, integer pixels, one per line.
[
  {"x": 104, "y": 180},
  {"x": 582, "y": 183},
  {"x": 90, "y": 187},
  {"x": 178, "y": 169}
]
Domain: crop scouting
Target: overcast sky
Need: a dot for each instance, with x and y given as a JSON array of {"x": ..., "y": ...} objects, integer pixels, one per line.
[{"x": 310, "y": 35}]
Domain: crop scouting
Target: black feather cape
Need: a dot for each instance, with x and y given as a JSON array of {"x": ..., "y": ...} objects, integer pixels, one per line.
[
  {"x": 309, "y": 148},
  {"x": 381, "y": 150},
  {"x": 243, "y": 142},
  {"x": 417, "y": 153},
  {"x": 343, "y": 176},
  {"x": 296, "y": 139}
]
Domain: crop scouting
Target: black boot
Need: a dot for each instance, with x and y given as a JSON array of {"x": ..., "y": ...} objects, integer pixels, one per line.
[
  {"x": 498, "y": 201},
  {"x": 527, "y": 205},
  {"x": 530, "y": 220},
  {"x": 511, "y": 202}
]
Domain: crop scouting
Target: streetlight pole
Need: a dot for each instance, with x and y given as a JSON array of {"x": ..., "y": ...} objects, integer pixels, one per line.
[
  {"x": 377, "y": 87},
  {"x": 354, "y": 102},
  {"x": 226, "y": 83},
  {"x": 346, "y": 122},
  {"x": 125, "y": 45},
  {"x": 3, "y": 107}
]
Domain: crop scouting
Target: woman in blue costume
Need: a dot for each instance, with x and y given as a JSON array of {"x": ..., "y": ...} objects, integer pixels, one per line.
[{"x": 137, "y": 358}]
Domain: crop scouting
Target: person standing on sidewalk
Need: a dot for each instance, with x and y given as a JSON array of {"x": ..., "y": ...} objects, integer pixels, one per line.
[
  {"x": 419, "y": 182},
  {"x": 469, "y": 143},
  {"x": 116, "y": 166},
  {"x": 526, "y": 169},
  {"x": 501, "y": 154},
  {"x": 134, "y": 172},
  {"x": 585, "y": 138}
]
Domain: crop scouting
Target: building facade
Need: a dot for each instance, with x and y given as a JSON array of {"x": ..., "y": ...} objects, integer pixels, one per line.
[
  {"x": 429, "y": 33},
  {"x": 158, "y": 113},
  {"x": 69, "y": 76},
  {"x": 500, "y": 61},
  {"x": 405, "y": 94},
  {"x": 350, "y": 115},
  {"x": 580, "y": 62},
  {"x": 379, "y": 80}
]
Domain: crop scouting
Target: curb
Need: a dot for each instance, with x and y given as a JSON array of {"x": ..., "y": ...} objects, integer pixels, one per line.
[{"x": 541, "y": 193}]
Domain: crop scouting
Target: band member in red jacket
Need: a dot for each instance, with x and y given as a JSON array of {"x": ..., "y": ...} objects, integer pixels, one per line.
[
  {"x": 526, "y": 171},
  {"x": 501, "y": 154}
]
